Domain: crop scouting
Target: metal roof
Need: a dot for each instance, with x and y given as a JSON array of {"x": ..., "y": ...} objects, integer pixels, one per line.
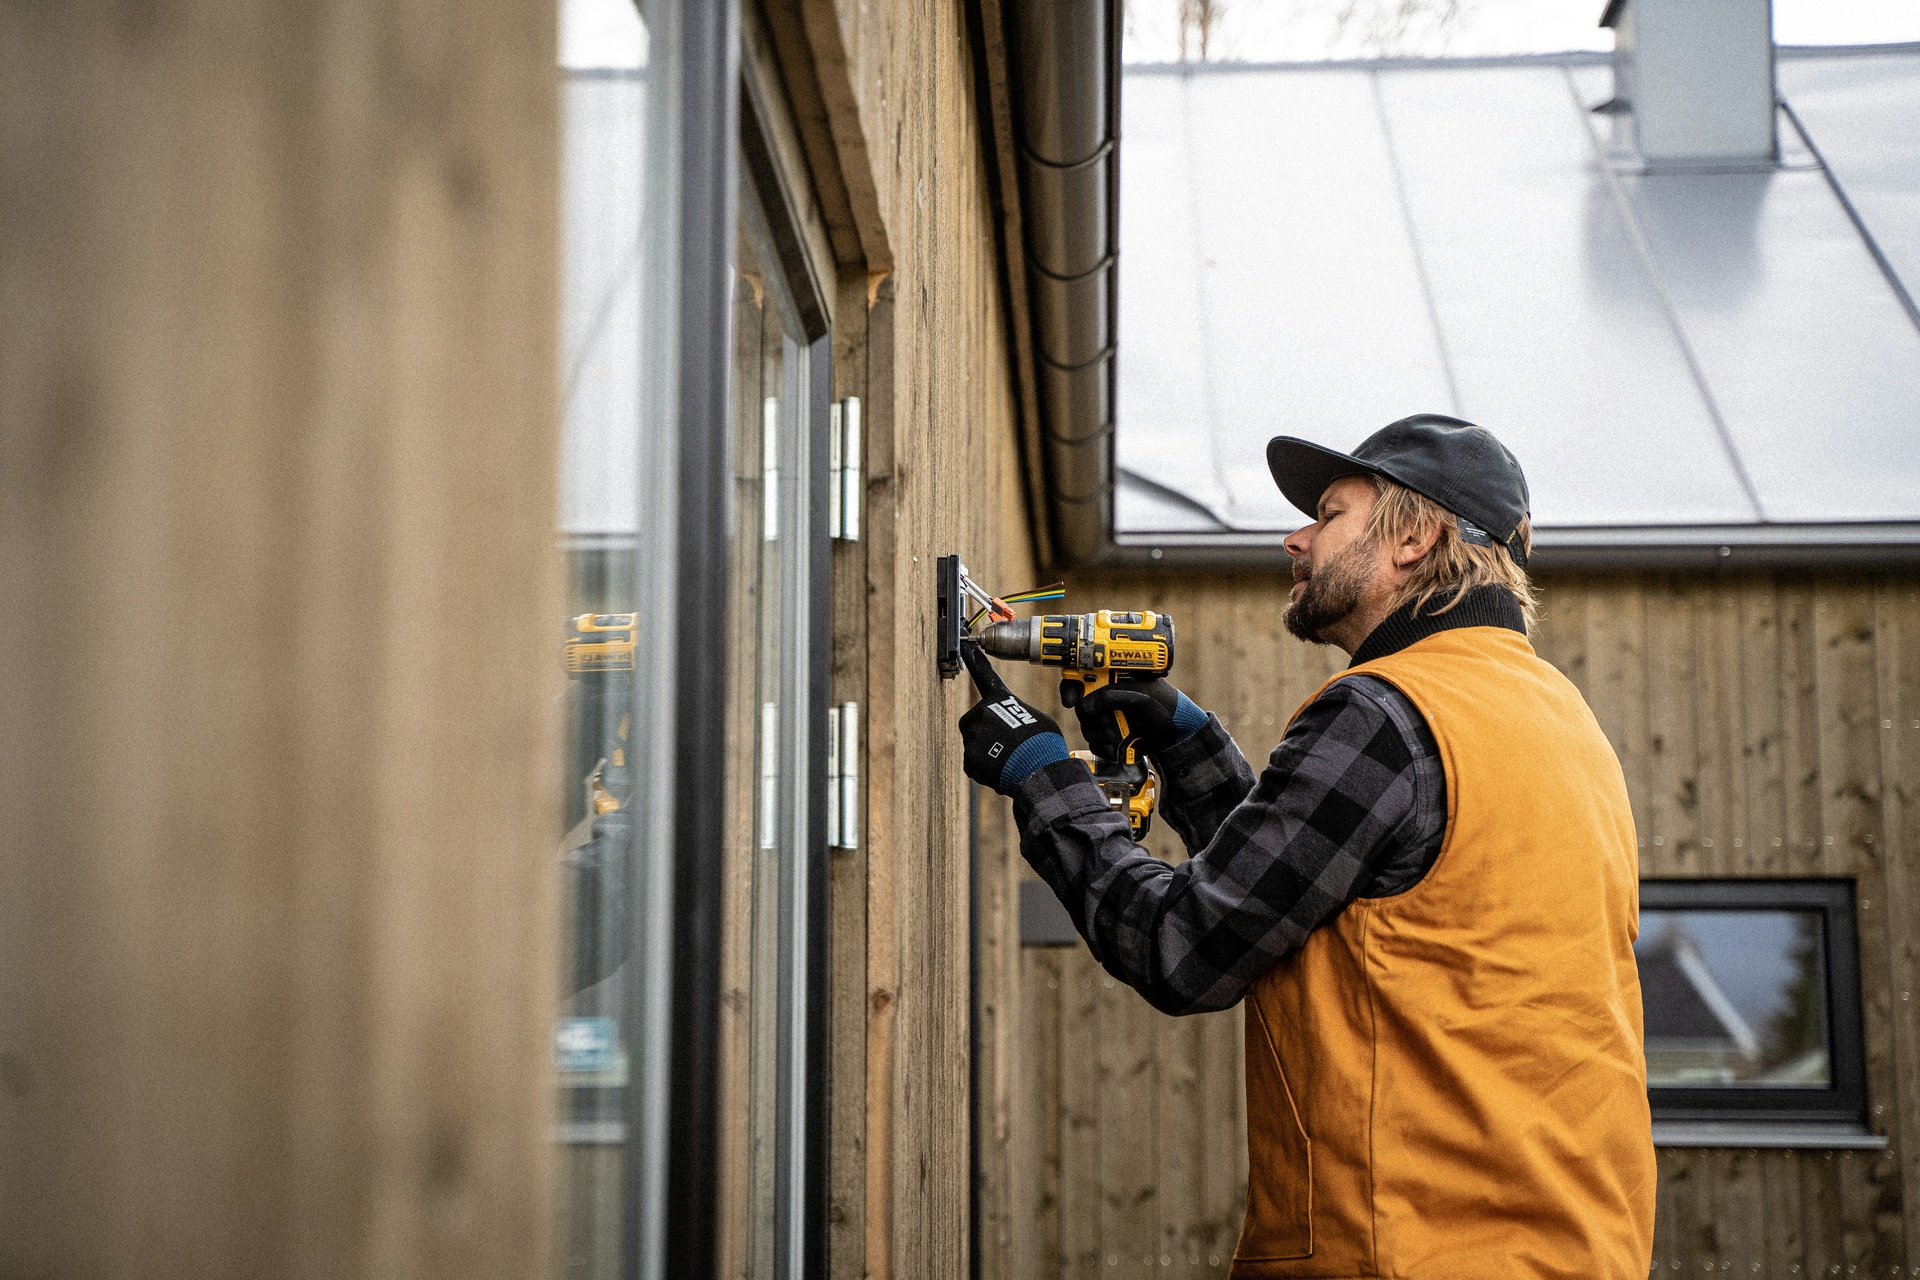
[
  {"x": 601, "y": 192},
  {"x": 1676, "y": 358}
]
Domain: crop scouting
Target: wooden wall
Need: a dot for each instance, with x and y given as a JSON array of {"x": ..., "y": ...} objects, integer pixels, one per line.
[
  {"x": 277, "y": 451},
  {"x": 1769, "y": 725},
  {"x": 883, "y": 102}
]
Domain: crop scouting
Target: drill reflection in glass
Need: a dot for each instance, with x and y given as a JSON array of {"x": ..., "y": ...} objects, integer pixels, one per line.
[{"x": 599, "y": 660}]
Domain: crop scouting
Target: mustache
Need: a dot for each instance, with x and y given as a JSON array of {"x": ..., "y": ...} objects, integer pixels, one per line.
[{"x": 1300, "y": 571}]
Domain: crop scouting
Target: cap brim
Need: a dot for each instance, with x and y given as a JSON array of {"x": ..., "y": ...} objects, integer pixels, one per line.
[{"x": 1303, "y": 470}]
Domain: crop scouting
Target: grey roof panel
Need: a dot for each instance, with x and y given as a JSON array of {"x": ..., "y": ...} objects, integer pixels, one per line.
[
  {"x": 600, "y": 301},
  {"x": 1267, "y": 284},
  {"x": 1305, "y": 252},
  {"x": 1140, "y": 503},
  {"x": 1160, "y": 303},
  {"x": 1863, "y": 113},
  {"x": 1810, "y": 357},
  {"x": 1557, "y": 337}
]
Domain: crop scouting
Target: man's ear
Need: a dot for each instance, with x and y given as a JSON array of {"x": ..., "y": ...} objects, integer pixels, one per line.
[{"x": 1414, "y": 546}]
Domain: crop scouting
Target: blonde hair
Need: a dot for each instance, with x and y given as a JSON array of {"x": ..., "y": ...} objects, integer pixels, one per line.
[{"x": 1454, "y": 565}]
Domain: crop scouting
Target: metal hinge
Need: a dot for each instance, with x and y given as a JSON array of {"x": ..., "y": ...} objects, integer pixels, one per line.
[
  {"x": 843, "y": 776},
  {"x": 843, "y": 461}
]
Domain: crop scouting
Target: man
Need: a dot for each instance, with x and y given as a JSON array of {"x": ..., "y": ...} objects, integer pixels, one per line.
[{"x": 1427, "y": 901}]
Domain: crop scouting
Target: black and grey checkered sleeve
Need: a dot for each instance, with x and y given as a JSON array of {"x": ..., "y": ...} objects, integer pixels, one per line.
[{"x": 1350, "y": 798}]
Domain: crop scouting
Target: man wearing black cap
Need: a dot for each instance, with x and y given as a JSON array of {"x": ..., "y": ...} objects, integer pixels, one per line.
[{"x": 1426, "y": 901}]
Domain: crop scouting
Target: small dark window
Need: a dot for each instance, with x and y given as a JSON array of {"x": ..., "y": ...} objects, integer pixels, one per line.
[{"x": 1751, "y": 990}]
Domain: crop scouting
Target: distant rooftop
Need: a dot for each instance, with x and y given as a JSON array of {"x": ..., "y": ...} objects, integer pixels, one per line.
[{"x": 1317, "y": 249}]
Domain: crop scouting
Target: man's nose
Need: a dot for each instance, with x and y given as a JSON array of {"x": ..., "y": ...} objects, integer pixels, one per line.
[{"x": 1298, "y": 542}]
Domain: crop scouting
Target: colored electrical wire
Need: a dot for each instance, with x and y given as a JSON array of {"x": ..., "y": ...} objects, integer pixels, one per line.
[{"x": 1053, "y": 591}]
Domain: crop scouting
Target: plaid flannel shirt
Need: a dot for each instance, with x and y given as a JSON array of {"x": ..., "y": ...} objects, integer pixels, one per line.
[{"x": 1352, "y": 804}]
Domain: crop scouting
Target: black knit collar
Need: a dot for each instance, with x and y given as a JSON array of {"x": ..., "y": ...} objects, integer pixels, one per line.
[{"x": 1487, "y": 606}]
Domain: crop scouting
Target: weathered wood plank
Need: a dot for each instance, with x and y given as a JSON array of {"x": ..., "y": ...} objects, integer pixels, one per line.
[
  {"x": 1897, "y": 685},
  {"x": 1616, "y": 647},
  {"x": 1800, "y": 733},
  {"x": 1820, "y": 1219},
  {"x": 887, "y": 616},
  {"x": 1129, "y": 1187},
  {"x": 1739, "y": 1207},
  {"x": 848, "y": 871},
  {"x": 1082, "y": 1256},
  {"x": 1673, "y": 759},
  {"x": 1720, "y": 739},
  {"x": 1780, "y": 1224},
  {"x": 1762, "y": 700},
  {"x": 743, "y": 727},
  {"x": 278, "y": 367},
  {"x": 1035, "y": 1142},
  {"x": 1850, "y": 778},
  {"x": 997, "y": 1004}
]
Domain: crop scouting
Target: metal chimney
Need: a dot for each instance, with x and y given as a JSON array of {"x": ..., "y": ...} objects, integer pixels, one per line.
[{"x": 1698, "y": 77}]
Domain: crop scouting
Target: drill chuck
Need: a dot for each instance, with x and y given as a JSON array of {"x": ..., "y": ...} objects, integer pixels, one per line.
[{"x": 1019, "y": 641}]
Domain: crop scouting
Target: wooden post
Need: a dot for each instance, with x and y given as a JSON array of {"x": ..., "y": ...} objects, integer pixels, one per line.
[{"x": 277, "y": 644}]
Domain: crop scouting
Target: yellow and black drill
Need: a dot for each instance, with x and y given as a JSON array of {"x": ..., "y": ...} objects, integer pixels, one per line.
[{"x": 1093, "y": 650}]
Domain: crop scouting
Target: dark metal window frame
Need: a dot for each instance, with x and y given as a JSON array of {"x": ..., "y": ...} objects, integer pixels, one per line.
[
  {"x": 774, "y": 221},
  {"x": 1844, "y": 1102},
  {"x": 702, "y": 142},
  {"x": 692, "y": 108}
]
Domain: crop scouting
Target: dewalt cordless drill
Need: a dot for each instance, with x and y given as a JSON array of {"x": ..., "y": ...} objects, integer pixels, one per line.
[{"x": 1093, "y": 650}]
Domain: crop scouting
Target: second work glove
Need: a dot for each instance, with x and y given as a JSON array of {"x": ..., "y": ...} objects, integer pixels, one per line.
[
  {"x": 1006, "y": 739},
  {"x": 1157, "y": 716}
]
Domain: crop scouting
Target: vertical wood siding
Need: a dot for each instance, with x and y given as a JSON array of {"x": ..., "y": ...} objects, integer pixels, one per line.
[
  {"x": 884, "y": 95},
  {"x": 277, "y": 767},
  {"x": 1768, "y": 724}
]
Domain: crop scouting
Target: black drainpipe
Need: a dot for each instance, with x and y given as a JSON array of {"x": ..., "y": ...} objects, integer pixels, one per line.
[{"x": 1064, "y": 58}]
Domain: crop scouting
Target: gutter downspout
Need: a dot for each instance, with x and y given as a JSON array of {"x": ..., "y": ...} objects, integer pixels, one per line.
[{"x": 1060, "y": 82}]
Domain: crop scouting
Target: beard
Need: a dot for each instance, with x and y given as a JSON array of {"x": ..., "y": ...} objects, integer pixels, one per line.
[{"x": 1332, "y": 594}]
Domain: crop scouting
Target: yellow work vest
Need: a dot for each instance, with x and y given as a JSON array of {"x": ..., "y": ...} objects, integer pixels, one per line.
[{"x": 1449, "y": 1082}]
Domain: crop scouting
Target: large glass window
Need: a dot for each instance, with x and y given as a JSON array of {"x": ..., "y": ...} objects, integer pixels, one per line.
[
  {"x": 778, "y": 655},
  {"x": 1735, "y": 998},
  {"x": 693, "y": 1086},
  {"x": 1751, "y": 996},
  {"x": 603, "y": 52}
]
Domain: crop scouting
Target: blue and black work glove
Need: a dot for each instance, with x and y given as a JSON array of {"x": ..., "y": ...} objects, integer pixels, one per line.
[
  {"x": 1006, "y": 739},
  {"x": 1157, "y": 715}
]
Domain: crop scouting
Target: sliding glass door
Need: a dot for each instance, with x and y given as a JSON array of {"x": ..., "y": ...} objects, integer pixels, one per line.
[
  {"x": 777, "y": 869},
  {"x": 691, "y": 665}
]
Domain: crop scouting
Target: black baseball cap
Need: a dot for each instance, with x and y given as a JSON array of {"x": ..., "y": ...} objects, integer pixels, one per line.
[{"x": 1456, "y": 464}]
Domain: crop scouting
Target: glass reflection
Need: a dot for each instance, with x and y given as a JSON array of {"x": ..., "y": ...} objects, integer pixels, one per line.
[
  {"x": 1734, "y": 998},
  {"x": 603, "y": 56}
]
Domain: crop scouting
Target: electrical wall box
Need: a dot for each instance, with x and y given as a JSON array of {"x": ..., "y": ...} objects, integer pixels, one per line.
[{"x": 949, "y": 615}]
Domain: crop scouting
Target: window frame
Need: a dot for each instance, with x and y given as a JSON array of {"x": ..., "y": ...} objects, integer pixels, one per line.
[
  {"x": 770, "y": 215},
  {"x": 1844, "y": 1102}
]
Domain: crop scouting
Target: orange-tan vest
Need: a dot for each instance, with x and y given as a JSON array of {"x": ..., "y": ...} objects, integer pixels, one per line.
[{"x": 1449, "y": 1082}]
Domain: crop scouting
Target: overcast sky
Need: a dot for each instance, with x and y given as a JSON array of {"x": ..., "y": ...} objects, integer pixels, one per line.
[{"x": 1307, "y": 30}]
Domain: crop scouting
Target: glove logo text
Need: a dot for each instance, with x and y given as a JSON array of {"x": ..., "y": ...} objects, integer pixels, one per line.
[{"x": 1012, "y": 712}]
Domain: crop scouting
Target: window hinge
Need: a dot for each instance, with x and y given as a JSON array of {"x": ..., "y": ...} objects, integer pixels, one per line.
[
  {"x": 843, "y": 776},
  {"x": 843, "y": 461}
]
